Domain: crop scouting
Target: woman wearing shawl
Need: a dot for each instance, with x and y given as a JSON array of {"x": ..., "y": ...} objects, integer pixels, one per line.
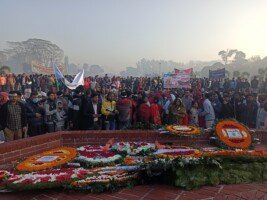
[
  {"x": 144, "y": 112},
  {"x": 177, "y": 111},
  {"x": 156, "y": 111}
]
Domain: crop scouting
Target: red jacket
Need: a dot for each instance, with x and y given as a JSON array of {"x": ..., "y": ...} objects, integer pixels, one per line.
[{"x": 144, "y": 113}]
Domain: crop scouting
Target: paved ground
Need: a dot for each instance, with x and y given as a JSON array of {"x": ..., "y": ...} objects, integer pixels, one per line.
[{"x": 153, "y": 192}]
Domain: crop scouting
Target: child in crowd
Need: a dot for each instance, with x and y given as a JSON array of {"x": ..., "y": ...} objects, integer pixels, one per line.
[
  {"x": 61, "y": 117},
  {"x": 194, "y": 114}
]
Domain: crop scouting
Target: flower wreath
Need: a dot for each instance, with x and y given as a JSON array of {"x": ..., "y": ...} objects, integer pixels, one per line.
[
  {"x": 233, "y": 134},
  {"x": 105, "y": 178},
  {"x": 46, "y": 179},
  {"x": 96, "y": 156},
  {"x": 136, "y": 160},
  {"x": 184, "y": 130},
  {"x": 177, "y": 152},
  {"x": 4, "y": 174},
  {"x": 253, "y": 153},
  {"x": 48, "y": 159},
  {"x": 133, "y": 148}
]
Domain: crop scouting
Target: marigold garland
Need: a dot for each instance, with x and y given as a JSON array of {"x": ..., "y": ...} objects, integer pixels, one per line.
[
  {"x": 178, "y": 152},
  {"x": 233, "y": 134},
  {"x": 229, "y": 153},
  {"x": 183, "y": 130},
  {"x": 62, "y": 155}
]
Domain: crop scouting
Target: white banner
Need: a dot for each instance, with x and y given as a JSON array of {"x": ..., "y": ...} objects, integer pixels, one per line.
[
  {"x": 77, "y": 81},
  {"x": 176, "y": 81}
]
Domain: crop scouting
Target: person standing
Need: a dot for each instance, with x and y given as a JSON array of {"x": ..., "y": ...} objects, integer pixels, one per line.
[
  {"x": 109, "y": 112},
  {"x": 13, "y": 118},
  {"x": 227, "y": 108},
  {"x": 254, "y": 84},
  {"x": 35, "y": 115},
  {"x": 3, "y": 98},
  {"x": 144, "y": 112},
  {"x": 11, "y": 82},
  {"x": 250, "y": 113},
  {"x": 156, "y": 112},
  {"x": 177, "y": 112},
  {"x": 125, "y": 109},
  {"x": 75, "y": 111},
  {"x": 3, "y": 82},
  {"x": 91, "y": 114},
  {"x": 261, "y": 115},
  {"x": 168, "y": 101},
  {"x": 238, "y": 103},
  {"x": 50, "y": 112},
  {"x": 194, "y": 114},
  {"x": 61, "y": 117},
  {"x": 208, "y": 111},
  {"x": 187, "y": 100}
]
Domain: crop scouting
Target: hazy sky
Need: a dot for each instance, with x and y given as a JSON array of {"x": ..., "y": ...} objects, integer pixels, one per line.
[{"x": 118, "y": 33}]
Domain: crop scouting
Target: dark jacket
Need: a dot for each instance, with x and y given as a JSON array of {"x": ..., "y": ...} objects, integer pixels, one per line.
[
  {"x": 238, "y": 108},
  {"x": 74, "y": 114},
  {"x": 227, "y": 111},
  {"x": 31, "y": 110},
  {"x": 250, "y": 114},
  {"x": 4, "y": 113},
  {"x": 87, "y": 115}
]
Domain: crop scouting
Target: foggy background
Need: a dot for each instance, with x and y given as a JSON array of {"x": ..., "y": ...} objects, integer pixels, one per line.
[{"x": 136, "y": 38}]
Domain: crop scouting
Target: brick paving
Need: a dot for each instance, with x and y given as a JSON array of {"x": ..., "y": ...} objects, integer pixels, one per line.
[{"x": 255, "y": 191}]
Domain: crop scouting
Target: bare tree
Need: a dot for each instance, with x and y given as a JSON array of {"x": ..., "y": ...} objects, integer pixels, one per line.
[
  {"x": 38, "y": 50},
  {"x": 240, "y": 57},
  {"x": 3, "y": 57},
  {"x": 225, "y": 55}
]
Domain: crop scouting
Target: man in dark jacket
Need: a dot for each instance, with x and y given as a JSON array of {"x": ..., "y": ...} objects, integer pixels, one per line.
[
  {"x": 251, "y": 109},
  {"x": 50, "y": 112},
  {"x": 35, "y": 115},
  {"x": 254, "y": 84},
  {"x": 75, "y": 111},
  {"x": 227, "y": 108},
  {"x": 91, "y": 113},
  {"x": 13, "y": 118},
  {"x": 238, "y": 107}
]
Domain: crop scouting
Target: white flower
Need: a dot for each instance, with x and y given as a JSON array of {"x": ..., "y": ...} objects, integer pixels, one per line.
[{"x": 99, "y": 160}]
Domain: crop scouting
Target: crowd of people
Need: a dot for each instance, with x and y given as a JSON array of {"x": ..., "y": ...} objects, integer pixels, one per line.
[{"x": 36, "y": 104}]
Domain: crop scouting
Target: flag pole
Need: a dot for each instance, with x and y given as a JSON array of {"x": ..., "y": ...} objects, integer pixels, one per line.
[{"x": 57, "y": 85}]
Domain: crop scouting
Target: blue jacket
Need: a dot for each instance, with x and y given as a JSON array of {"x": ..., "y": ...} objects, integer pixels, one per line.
[{"x": 208, "y": 111}]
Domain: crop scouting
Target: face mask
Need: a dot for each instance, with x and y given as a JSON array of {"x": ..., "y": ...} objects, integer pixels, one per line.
[{"x": 35, "y": 100}]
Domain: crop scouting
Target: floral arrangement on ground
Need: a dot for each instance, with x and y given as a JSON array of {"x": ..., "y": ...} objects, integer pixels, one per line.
[
  {"x": 47, "y": 179},
  {"x": 92, "y": 156},
  {"x": 115, "y": 165},
  {"x": 133, "y": 148},
  {"x": 184, "y": 130},
  {"x": 232, "y": 134},
  {"x": 48, "y": 159}
]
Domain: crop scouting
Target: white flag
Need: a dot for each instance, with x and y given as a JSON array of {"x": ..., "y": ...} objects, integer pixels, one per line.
[{"x": 77, "y": 81}]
